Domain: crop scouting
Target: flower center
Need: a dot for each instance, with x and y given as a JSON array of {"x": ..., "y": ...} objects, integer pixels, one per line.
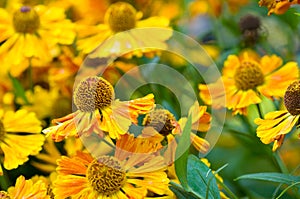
[
  {"x": 2, "y": 131},
  {"x": 161, "y": 120},
  {"x": 93, "y": 93},
  {"x": 106, "y": 175},
  {"x": 26, "y": 20},
  {"x": 292, "y": 98},
  {"x": 4, "y": 195},
  {"x": 248, "y": 76},
  {"x": 121, "y": 16}
]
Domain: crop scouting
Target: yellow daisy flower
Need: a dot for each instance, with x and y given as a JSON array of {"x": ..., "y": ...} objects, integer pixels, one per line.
[
  {"x": 19, "y": 137},
  {"x": 30, "y": 35},
  {"x": 164, "y": 128},
  {"x": 40, "y": 101},
  {"x": 277, "y": 6},
  {"x": 98, "y": 111},
  {"x": 127, "y": 174},
  {"x": 119, "y": 17},
  {"x": 277, "y": 124},
  {"x": 245, "y": 77},
  {"x": 26, "y": 189}
]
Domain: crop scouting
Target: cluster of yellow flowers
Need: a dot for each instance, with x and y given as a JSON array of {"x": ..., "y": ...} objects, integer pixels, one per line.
[{"x": 86, "y": 143}]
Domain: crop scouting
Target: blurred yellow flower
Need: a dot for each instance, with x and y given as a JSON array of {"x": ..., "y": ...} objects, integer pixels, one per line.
[
  {"x": 245, "y": 77},
  {"x": 40, "y": 101},
  {"x": 119, "y": 17},
  {"x": 30, "y": 35},
  {"x": 127, "y": 174},
  {"x": 27, "y": 189},
  {"x": 277, "y": 6},
  {"x": 99, "y": 111},
  {"x": 215, "y": 7},
  {"x": 19, "y": 137},
  {"x": 277, "y": 124}
]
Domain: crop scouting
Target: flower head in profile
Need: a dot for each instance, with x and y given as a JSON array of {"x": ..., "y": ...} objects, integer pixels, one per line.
[
  {"x": 162, "y": 127},
  {"x": 20, "y": 136},
  {"x": 131, "y": 173},
  {"x": 99, "y": 111},
  {"x": 119, "y": 17},
  {"x": 277, "y": 6},
  {"x": 277, "y": 124},
  {"x": 30, "y": 34},
  {"x": 246, "y": 78},
  {"x": 26, "y": 189}
]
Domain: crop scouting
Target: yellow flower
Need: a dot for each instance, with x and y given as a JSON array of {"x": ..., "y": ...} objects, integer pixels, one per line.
[
  {"x": 40, "y": 101},
  {"x": 19, "y": 137},
  {"x": 246, "y": 77},
  {"x": 30, "y": 35},
  {"x": 215, "y": 7},
  {"x": 27, "y": 189},
  {"x": 162, "y": 127},
  {"x": 98, "y": 111},
  {"x": 127, "y": 174},
  {"x": 277, "y": 124},
  {"x": 120, "y": 17},
  {"x": 48, "y": 181},
  {"x": 277, "y": 6}
]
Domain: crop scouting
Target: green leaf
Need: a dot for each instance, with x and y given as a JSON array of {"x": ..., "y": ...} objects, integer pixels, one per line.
[
  {"x": 182, "y": 153},
  {"x": 18, "y": 89},
  {"x": 272, "y": 177},
  {"x": 181, "y": 193},
  {"x": 201, "y": 179}
]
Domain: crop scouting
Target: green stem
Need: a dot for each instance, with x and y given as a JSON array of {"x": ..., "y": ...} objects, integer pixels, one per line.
[
  {"x": 108, "y": 143},
  {"x": 179, "y": 187},
  {"x": 4, "y": 181},
  {"x": 228, "y": 191},
  {"x": 280, "y": 163},
  {"x": 285, "y": 190},
  {"x": 259, "y": 111},
  {"x": 250, "y": 136}
]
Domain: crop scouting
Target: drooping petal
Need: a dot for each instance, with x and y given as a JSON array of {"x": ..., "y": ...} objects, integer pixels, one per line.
[{"x": 277, "y": 82}]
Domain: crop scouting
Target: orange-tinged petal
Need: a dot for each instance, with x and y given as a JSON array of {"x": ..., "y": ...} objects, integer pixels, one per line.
[
  {"x": 277, "y": 82},
  {"x": 78, "y": 167},
  {"x": 70, "y": 185},
  {"x": 26, "y": 189},
  {"x": 269, "y": 63},
  {"x": 199, "y": 143}
]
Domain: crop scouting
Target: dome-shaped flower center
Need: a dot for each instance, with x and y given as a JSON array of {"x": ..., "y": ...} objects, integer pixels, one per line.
[
  {"x": 121, "y": 16},
  {"x": 161, "y": 120},
  {"x": 26, "y": 20},
  {"x": 4, "y": 195},
  {"x": 292, "y": 98},
  {"x": 93, "y": 93},
  {"x": 106, "y": 175},
  {"x": 248, "y": 75},
  {"x": 2, "y": 131}
]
